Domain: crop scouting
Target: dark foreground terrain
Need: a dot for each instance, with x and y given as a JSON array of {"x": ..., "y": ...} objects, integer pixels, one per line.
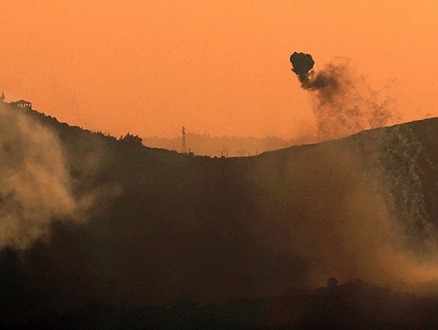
[{"x": 353, "y": 305}]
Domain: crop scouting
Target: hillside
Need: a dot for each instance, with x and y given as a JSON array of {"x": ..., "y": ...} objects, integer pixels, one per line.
[{"x": 89, "y": 217}]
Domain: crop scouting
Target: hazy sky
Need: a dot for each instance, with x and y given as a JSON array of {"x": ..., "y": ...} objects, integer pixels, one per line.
[{"x": 219, "y": 67}]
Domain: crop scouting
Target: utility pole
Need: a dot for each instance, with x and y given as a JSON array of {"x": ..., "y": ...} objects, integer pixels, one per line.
[{"x": 184, "y": 146}]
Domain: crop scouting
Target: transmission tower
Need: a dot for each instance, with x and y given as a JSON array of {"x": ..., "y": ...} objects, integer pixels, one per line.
[{"x": 184, "y": 146}]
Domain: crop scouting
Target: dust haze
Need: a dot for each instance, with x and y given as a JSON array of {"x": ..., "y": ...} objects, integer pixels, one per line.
[{"x": 353, "y": 213}]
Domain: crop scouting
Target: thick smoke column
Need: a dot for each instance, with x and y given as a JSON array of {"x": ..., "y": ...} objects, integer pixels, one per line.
[{"x": 344, "y": 103}]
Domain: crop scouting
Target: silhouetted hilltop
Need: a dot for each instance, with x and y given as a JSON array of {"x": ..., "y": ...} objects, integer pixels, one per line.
[{"x": 92, "y": 218}]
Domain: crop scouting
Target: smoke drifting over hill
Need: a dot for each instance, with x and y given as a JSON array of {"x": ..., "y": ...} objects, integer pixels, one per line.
[
  {"x": 35, "y": 184},
  {"x": 344, "y": 103},
  {"x": 353, "y": 212}
]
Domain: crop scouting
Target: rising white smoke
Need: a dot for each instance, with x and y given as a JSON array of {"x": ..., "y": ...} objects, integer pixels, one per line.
[{"x": 35, "y": 186}]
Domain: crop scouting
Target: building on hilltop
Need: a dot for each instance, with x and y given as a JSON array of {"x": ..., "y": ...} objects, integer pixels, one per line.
[{"x": 21, "y": 104}]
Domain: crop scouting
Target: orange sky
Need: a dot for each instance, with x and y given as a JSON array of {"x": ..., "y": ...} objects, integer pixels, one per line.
[{"x": 219, "y": 67}]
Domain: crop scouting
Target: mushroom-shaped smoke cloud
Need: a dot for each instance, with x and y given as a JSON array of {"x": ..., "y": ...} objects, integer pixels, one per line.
[{"x": 301, "y": 63}]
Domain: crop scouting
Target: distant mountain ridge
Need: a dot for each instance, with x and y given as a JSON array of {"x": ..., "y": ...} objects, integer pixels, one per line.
[{"x": 205, "y": 145}]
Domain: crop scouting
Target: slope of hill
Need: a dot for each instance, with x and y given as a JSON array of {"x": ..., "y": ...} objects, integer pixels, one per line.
[{"x": 88, "y": 217}]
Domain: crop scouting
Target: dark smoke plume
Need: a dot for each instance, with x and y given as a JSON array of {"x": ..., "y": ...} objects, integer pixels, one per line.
[
  {"x": 344, "y": 102},
  {"x": 302, "y": 63}
]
